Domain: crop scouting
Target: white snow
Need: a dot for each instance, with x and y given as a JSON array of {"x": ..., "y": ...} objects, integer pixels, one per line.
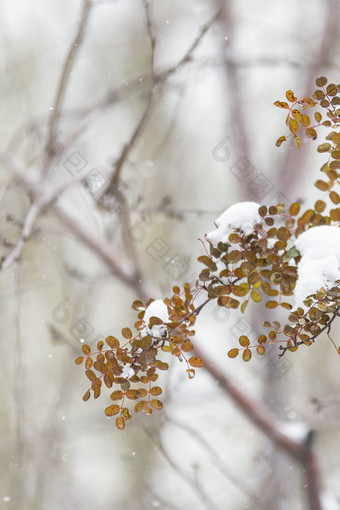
[
  {"x": 295, "y": 430},
  {"x": 157, "y": 309},
  {"x": 320, "y": 263},
  {"x": 243, "y": 215},
  {"x": 127, "y": 372},
  {"x": 329, "y": 501}
]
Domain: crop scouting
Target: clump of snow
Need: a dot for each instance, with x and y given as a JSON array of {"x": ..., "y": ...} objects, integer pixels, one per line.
[
  {"x": 157, "y": 309},
  {"x": 243, "y": 215},
  {"x": 297, "y": 431},
  {"x": 128, "y": 371},
  {"x": 329, "y": 501},
  {"x": 320, "y": 263}
]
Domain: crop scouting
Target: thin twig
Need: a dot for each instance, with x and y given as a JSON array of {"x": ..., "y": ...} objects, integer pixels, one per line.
[
  {"x": 302, "y": 451},
  {"x": 216, "y": 461},
  {"x": 29, "y": 221},
  {"x": 197, "y": 488},
  {"x": 64, "y": 79},
  {"x": 118, "y": 165},
  {"x": 100, "y": 246}
]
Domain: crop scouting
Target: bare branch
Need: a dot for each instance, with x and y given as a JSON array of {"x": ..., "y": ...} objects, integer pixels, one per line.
[
  {"x": 28, "y": 224},
  {"x": 101, "y": 247},
  {"x": 64, "y": 79},
  {"x": 118, "y": 165},
  {"x": 265, "y": 421},
  {"x": 217, "y": 462},
  {"x": 197, "y": 487}
]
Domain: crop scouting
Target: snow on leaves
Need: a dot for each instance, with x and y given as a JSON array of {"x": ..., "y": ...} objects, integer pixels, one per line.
[
  {"x": 133, "y": 364},
  {"x": 275, "y": 257}
]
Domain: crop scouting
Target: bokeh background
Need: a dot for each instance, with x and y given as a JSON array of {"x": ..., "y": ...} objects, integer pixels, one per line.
[{"x": 192, "y": 128}]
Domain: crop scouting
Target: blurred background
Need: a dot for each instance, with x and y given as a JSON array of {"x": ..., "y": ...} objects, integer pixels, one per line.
[{"x": 147, "y": 120}]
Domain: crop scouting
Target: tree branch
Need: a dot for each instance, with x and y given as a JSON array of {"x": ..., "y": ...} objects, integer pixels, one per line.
[
  {"x": 265, "y": 421},
  {"x": 99, "y": 246},
  {"x": 64, "y": 80}
]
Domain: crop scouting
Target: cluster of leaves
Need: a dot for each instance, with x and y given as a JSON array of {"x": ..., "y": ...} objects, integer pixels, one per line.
[
  {"x": 255, "y": 265},
  {"x": 260, "y": 266},
  {"x": 326, "y": 97},
  {"x": 132, "y": 366}
]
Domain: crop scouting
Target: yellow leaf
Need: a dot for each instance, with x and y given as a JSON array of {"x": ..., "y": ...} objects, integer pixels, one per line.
[
  {"x": 318, "y": 117},
  {"x": 294, "y": 209},
  {"x": 233, "y": 353},
  {"x": 127, "y": 333},
  {"x": 290, "y": 96},
  {"x": 309, "y": 101},
  {"x": 195, "y": 361},
  {"x": 140, "y": 406},
  {"x": 321, "y": 82},
  {"x": 246, "y": 356},
  {"x": 271, "y": 304},
  {"x": 112, "y": 410},
  {"x": 305, "y": 121},
  {"x": 261, "y": 350},
  {"x": 256, "y": 295},
  {"x": 293, "y": 125},
  {"x": 156, "y": 404},
  {"x": 86, "y": 349},
  {"x": 281, "y": 104},
  {"x": 280, "y": 140},
  {"x": 296, "y": 114},
  {"x": 244, "y": 341},
  {"x": 311, "y": 133},
  {"x": 120, "y": 423},
  {"x": 298, "y": 142}
]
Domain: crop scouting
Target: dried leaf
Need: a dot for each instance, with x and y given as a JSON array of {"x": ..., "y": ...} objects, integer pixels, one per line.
[
  {"x": 86, "y": 395},
  {"x": 112, "y": 410},
  {"x": 156, "y": 404},
  {"x": 86, "y": 349},
  {"x": 112, "y": 342},
  {"x": 297, "y": 141},
  {"x": 120, "y": 423},
  {"x": 195, "y": 362},
  {"x": 311, "y": 133},
  {"x": 246, "y": 356},
  {"x": 290, "y": 96},
  {"x": 156, "y": 390},
  {"x": 244, "y": 341},
  {"x": 140, "y": 406},
  {"x": 280, "y": 140},
  {"x": 294, "y": 209},
  {"x": 261, "y": 350},
  {"x": 127, "y": 333},
  {"x": 293, "y": 125},
  {"x": 281, "y": 104},
  {"x": 321, "y": 82},
  {"x": 233, "y": 353}
]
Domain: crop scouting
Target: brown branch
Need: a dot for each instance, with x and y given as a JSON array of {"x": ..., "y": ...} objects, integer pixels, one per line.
[
  {"x": 217, "y": 461},
  {"x": 28, "y": 224},
  {"x": 163, "y": 76},
  {"x": 64, "y": 80},
  {"x": 118, "y": 165},
  {"x": 184, "y": 476},
  {"x": 99, "y": 246},
  {"x": 265, "y": 421}
]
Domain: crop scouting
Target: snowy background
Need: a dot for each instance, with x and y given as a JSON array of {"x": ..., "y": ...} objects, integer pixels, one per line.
[{"x": 208, "y": 142}]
